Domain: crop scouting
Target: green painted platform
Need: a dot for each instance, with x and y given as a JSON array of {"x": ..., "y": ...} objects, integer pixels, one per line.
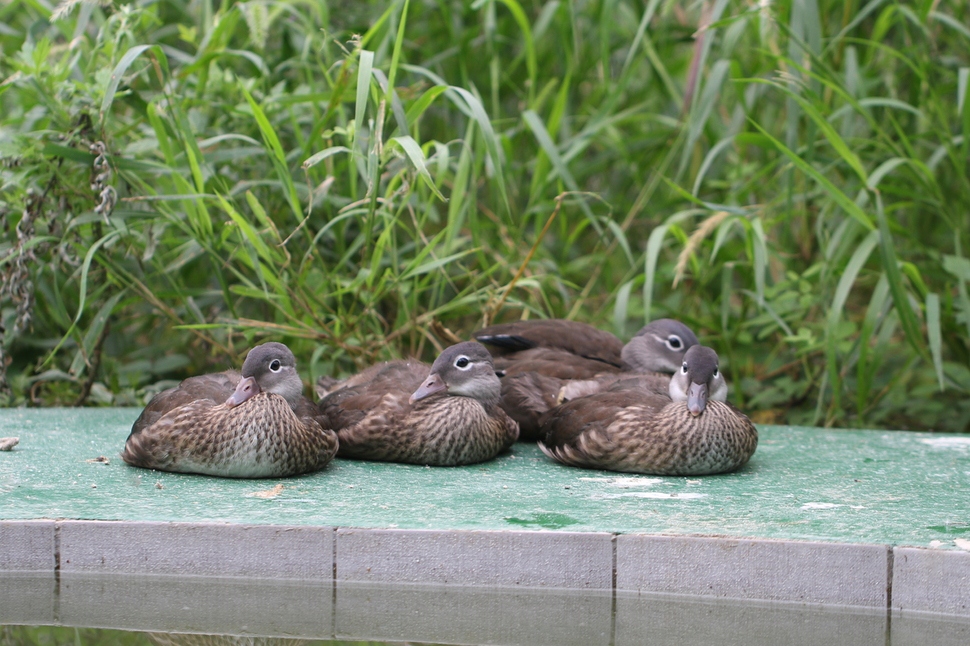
[{"x": 894, "y": 488}]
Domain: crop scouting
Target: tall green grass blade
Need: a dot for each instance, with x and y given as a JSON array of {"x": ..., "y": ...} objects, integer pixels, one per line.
[
  {"x": 621, "y": 308},
  {"x": 316, "y": 158},
  {"x": 491, "y": 141},
  {"x": 272, "y": 142},
  {"x": 890, "y": 264},
  {"x": 119, "y": 71},
  {"x": 849, "y": 275},
  {"x": 416, "y": 155},
  {"x": 396, "y": 56},
  {"x": 654, "y": 245},
  {"x": 759, "y": 247},
  {"x": 530, "y": 49},
  {"x": 552, "y": 153},
  {"x": 935, "y": 335},
  {"x": 705, "y": 105},
  {"x": 840, "y": 198}
]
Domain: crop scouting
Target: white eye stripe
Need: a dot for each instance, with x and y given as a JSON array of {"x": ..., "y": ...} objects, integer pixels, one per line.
[
  {"x": 463, "y": 363},
  {"x": 674, "y": 342}
]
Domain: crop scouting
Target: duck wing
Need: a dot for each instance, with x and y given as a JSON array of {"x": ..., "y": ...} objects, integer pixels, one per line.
[
  {"x": 212, "y": 388},
  {"x": 526, "y": 396},
  {"x": 554, "y": 362},
  {"x": 573, "y": 337},
  {"x": 382, "y": 386}
]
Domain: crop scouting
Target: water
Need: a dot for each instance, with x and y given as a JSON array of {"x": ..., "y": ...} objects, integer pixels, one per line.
[{"x": 78, "y": 610}]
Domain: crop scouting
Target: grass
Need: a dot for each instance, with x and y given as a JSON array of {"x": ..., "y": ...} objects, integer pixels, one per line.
[{"x": 363, "y": 180}]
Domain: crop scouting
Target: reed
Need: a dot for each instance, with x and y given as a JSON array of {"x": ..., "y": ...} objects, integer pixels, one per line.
[{"x": 363, "y": 180}]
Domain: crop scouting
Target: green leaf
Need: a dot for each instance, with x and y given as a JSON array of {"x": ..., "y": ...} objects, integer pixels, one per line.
[
  {"x": 620, "y": 308},
  {"x": 272, "y": 142},
  {"x": 316, "y": 158},
  {"x": 121, "y": 68},
  {"x": 840, "y": 198},
  {"x": 549, "y": 148},
  {"x": 416, "y": 155},
  {"x": 934, "y": 335},
  {"x": 907, "y": 318},
  {"x": 849, "y": 274}
]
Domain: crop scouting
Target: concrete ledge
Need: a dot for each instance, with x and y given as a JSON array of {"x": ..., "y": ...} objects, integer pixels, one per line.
[
  {"x": 459, "y": 615},
  {"x": 27, "y": 598},
  {"x": 198, "y": 605},
  {"x": 33, "y": 554},
  {"x": 262, "y": 551},
  {"x": 824, "y": 573},
  {"x": 475, "y": 558},
  {"x": 920, "y": 629},
  {"x": 655, "y": 619},
  {"x": 927, "y": 580},
  {"x": 27, "y": 546}
]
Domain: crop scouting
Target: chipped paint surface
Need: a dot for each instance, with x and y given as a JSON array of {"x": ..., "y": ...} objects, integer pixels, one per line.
[{"x": 882, "y": 487}]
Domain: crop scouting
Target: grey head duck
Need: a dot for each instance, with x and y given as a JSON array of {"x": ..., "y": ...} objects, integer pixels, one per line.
[
  {"x": 633, "y": 427},
  {"x": 253, "y": 424},
  {"x": 535, "y": 380},
  {"x": 446, "y": 414}
]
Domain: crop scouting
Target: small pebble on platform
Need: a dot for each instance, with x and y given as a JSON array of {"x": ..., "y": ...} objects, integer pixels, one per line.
[{"x": 7, "y": 443}]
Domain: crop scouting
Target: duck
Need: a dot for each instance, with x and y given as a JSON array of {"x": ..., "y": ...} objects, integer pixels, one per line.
[
  {"x": 445, "y": 414},
  {"x": 633, "y": 427},
  {"x": 554, "y": 362},
  {"x": 250, "y": 424}
]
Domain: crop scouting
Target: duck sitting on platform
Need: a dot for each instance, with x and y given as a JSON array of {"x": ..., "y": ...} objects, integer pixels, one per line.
[
  {"x": 631, "y": 427},
  {"x": 446, "y": 414},
  {"x": 256, "y": 424},
  {"x": 558, "y": 360}
]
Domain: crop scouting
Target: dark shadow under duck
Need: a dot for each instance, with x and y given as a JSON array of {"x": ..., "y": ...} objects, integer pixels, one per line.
[
  {"x": 446, "y": 414},
  {"x": 558, "y": 360},
  {"x": 253, "y": 424},
  {"x": 634, "y": 427}
]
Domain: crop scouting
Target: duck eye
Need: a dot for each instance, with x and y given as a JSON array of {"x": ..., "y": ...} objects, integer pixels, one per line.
[
  {"x": 674, "y": 342},
  {"x": 683, "y": 368},
  {"x": 715, "y": 372},
  {"x": 275, "y": 366},
  {"x": 462, "y": 363}
]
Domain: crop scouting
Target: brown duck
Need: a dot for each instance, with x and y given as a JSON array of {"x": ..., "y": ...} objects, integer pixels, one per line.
[
  {"x": 558, "y": 360},
  {"x": 256, "y": 424},
  {"x": 632, "y": 427},
  {"x": 445, "y": 414}
]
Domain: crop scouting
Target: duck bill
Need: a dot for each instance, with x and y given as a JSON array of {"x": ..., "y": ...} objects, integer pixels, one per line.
[
  {"x": 433, "y": 384},
  {"x": 697, "y": 399},
  {"x": 247, "y": 389}
]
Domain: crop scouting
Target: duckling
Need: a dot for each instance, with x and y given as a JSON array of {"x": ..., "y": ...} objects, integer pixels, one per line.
[
  {"x": 538, "y": 378},
  {"x": 691, "y": 430},
  {"x": 446, "y": 414},
  {"x": 256, "y": 424}
]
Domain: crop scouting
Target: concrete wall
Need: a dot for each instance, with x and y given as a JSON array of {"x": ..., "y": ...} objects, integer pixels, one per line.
[{"x": 47, "y": 558}]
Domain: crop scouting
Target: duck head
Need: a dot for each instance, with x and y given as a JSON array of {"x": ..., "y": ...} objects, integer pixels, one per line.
[
  {"x": 464, "y": 369},
  {"x": 698, "y": 380},
  {"x": 271, "y": 368},
  {"x": 659, "y": 347}
]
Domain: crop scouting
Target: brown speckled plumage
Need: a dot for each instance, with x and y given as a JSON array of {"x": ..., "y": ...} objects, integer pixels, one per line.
[
  {"x": 558, "y": 360},
  {"x": 375, "y": 418},
  {"x": 633, "y": 429},
  {"x": 192, "y": 428}
]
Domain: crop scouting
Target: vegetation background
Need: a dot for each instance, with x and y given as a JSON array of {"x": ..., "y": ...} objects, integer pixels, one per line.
[{"x": 181, "y": 179}]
